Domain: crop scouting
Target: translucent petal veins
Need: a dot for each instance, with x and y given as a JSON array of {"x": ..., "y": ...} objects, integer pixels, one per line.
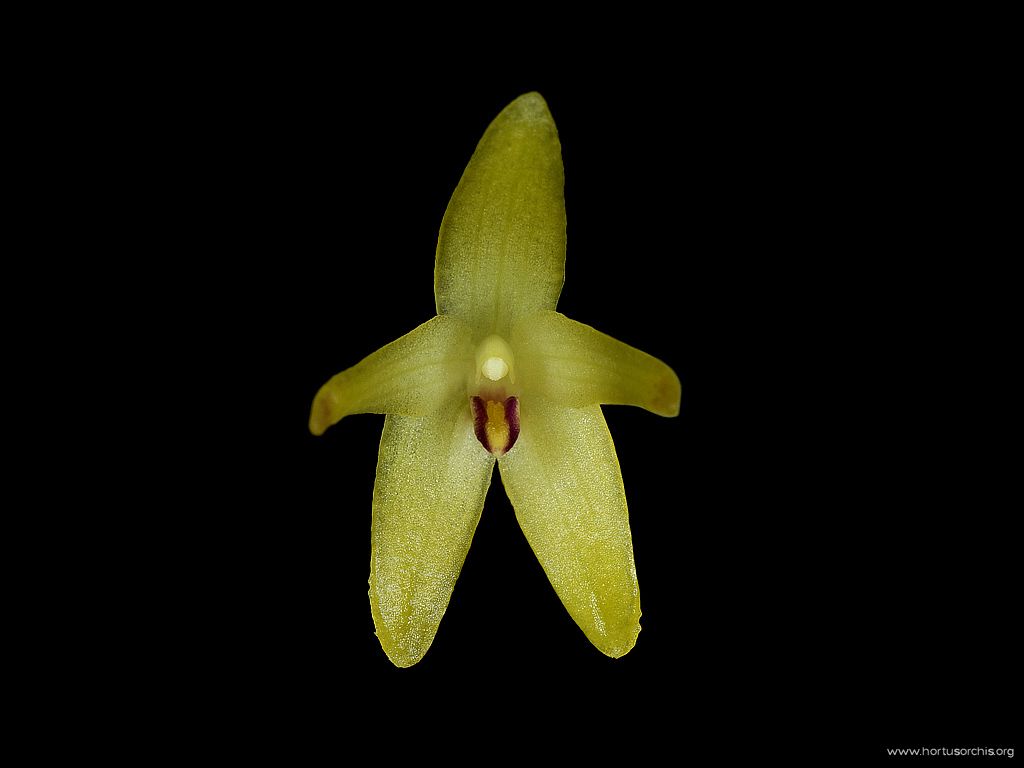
[
  {"x": 563, "y": 480},
  {"x": 412, "y": 376},
  {"x": 501, "y": 248},
  {"x": 432, "y": 479},
  {"x": 576, "y": 365}
]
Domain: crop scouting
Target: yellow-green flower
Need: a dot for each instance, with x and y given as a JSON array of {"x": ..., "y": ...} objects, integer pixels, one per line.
[{"x": 499, "y": 375}]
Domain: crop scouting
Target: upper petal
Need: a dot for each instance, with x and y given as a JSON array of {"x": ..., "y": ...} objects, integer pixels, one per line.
[
  {"x": 432, "y": 477},
  {"x": 412, "y": 376},
  {"x": 501, "y": 249},
  {"x": 576, "y": 365},
  {"x": 564, "y": 481}
]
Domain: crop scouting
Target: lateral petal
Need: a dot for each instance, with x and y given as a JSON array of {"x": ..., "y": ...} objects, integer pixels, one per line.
[
  {"x": 564, "y": 482},
  {"x": 501, "y": 248},
  {"x": 576, "y": 365},
  {"x": 411, "y": 376},
  {"x": 432, "y": 478}
]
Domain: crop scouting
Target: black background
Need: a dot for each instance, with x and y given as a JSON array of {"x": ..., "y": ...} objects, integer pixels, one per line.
[{"x": 821, "y": 554}]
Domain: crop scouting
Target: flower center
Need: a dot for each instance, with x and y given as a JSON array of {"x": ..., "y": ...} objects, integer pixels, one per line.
[
  {"x": 493, "y": 400},
  {"x": 496, "y": 423},
  {"x": 494, "y": 368},
  {"x": 494, "y": 360}
]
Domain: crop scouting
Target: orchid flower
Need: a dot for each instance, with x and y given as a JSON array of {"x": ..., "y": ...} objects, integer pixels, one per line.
[{"x": 500, "y": 376}]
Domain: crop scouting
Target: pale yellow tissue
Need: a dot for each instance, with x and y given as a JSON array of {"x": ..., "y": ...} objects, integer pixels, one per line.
[
  {"x": 501, "y": 249},
  {"x": 576, "y": 365},
  {"x": 564, "y": 482},
  {"x": 432, "y": 477},
  {"x": 499, "y": 268},
  {"x": 411, "y": 376}
]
